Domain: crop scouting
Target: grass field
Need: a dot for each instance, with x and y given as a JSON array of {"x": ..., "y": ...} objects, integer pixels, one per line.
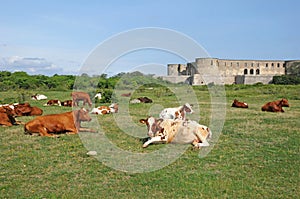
[{"x": 256, "y": 155}]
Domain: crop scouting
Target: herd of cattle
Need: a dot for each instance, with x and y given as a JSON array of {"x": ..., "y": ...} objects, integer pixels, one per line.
[{"x": 171, "y": 126}]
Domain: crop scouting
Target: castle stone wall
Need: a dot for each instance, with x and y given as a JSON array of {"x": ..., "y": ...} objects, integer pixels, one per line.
[{"x": 253, "y": 70}]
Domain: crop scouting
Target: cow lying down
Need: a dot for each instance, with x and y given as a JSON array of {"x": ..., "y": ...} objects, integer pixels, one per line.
[
  {"x": 176, "y": 131},
  {"x": 68, "y": 122}
]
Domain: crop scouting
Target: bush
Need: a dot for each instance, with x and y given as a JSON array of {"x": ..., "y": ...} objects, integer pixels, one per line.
[{"x": 286, "y": 79}]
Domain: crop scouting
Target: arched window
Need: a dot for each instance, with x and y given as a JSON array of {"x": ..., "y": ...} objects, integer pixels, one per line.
[
  {"x": 245, "y": 72},
  {"x": 267, "y": 65},
  {"x": 272, "y": 64},
  {"x": 257, "y": 71},
  {"x": 251, "y": 71},
  {"x": 278, "y": 65}
]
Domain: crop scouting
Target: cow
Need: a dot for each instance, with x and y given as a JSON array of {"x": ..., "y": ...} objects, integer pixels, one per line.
[
  {"x": 238, "y": 104},
  {"x": 25, "y": 109},
  {"x": 7, "y": 118},
  {"x": 275, "y": 106},
  {"x": 175, "y": 131},
  {"x": 53, "y": 103},
  {"x": 98, "y": 96},
  {"x": 35, "y": 111},
  {"x": 38, "y": 97},
  {"x": 67, "y": 103},
  {"x": 81, "y": 96},
  {"x": 284, "y": 102},
  {"x": 126, "y": 94},
  {"x": 114, "y": 108},
  {"x": 50, "y": 125},
  {"x": 141, "y": 100},
  {"x": 103, "y": 110},
  {"x": 145, "y": 99},
  {"x": 176, "y": 113}
]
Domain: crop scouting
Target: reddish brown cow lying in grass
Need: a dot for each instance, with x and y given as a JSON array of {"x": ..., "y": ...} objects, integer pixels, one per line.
[
  {"x": 26, "y": 110},
  {"x": 6, "y": 117},
  {"x": 238, "y": 104},
  {"x": 23, "y": 109},
  {"x": 275, "y": 106},
  {"x": 68, "y": 122}
]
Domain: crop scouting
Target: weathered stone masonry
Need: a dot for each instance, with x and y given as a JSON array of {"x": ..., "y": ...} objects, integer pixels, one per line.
[{"x": 230, "y": 71}]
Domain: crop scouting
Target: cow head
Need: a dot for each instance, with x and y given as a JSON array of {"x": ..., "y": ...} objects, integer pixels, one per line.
[
  {"x": 285, "y": 103},
  {"x": 82, "y": 115},
  {"x": 153, "y": 125},
  {"x": 188, "y": 108}
]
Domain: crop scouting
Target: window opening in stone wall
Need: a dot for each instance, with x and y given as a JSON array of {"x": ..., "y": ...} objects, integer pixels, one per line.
[
  {"x": 211, "y": 62},
  {"x": 230, "y": 63},
  {"x": 238, "y": 64},
  {"x": 257, "y": 71},
  {"x": 272, "y": 64},
  {"x": 245, "y": 72},
  {"x": 251, "y": 71},
  {"x": 266, "y": 64},
  {"x": 257, "y": 64},
  {"x": 245, "y": 64},
  {"x": 278, "y": 65},
  {"x": 224, "y": 63},
  {"x": 252, "y": 64}
]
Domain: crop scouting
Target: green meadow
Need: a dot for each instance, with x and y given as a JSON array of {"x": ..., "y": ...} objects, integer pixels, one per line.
[{"x": 256, "y": 154}]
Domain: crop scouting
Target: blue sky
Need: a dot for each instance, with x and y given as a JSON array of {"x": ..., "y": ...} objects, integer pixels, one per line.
[{"x": 48, "y": 37}]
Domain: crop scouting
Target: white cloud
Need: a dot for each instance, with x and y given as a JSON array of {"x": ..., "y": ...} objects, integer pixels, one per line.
[{"x": 30, "y": 65}]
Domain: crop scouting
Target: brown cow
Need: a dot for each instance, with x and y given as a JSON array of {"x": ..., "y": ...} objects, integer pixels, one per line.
[
  {"x": 275, "y": 106},
  {"x": 26, "y": 110},
  {"x": 238, "y": 104},
  {"x": 126, "y": 94},
  {"x": 6, "y": 117},
  {"x": 35, "y": 111},
  {"x": 68, "y": 122},
  {"x": 81, "y": 96}
]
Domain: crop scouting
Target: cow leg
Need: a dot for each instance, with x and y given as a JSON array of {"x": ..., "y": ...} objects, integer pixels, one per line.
[
  {"x": 154, "y": 140},
  {"x": 82, "y": 129},
  {"x": 197, "y": 144},
  {"x": 43, "y": 132}
]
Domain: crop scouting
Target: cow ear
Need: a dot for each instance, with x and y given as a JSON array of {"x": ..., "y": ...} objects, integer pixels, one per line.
[{"x": 143, "y": 121}]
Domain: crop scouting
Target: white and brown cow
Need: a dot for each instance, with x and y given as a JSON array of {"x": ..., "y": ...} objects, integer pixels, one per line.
[
  {"x": 53, "y": 103},
  {"x": 176, "y": 131},
  {"x": 176, "y": 113},
  {"x": 103, "y": 110}
]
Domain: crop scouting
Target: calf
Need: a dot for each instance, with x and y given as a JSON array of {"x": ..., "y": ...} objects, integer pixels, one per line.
[
  {"x": 275, "y": 106},
  {"x": 102, "y": 110},
  {"x": 6, "y": 117},
  {"x": 145, "y": 100},
  {"x": 53, "y": 103},
  {"x": 68, "y": 122},
  {"x": 126, "y": 94},
  {"x": 67, "y": 103},
  {"x": 176, "y": 113},
  {"x": 81, "y": 96},
  {"x": 238, "y": 104},
  {"x": 38, "y": 97},
  {"x": 175, "y": 131}
]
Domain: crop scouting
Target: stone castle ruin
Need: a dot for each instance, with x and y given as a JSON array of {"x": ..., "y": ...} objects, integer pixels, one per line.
[{"x": 201, "y": 71}]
